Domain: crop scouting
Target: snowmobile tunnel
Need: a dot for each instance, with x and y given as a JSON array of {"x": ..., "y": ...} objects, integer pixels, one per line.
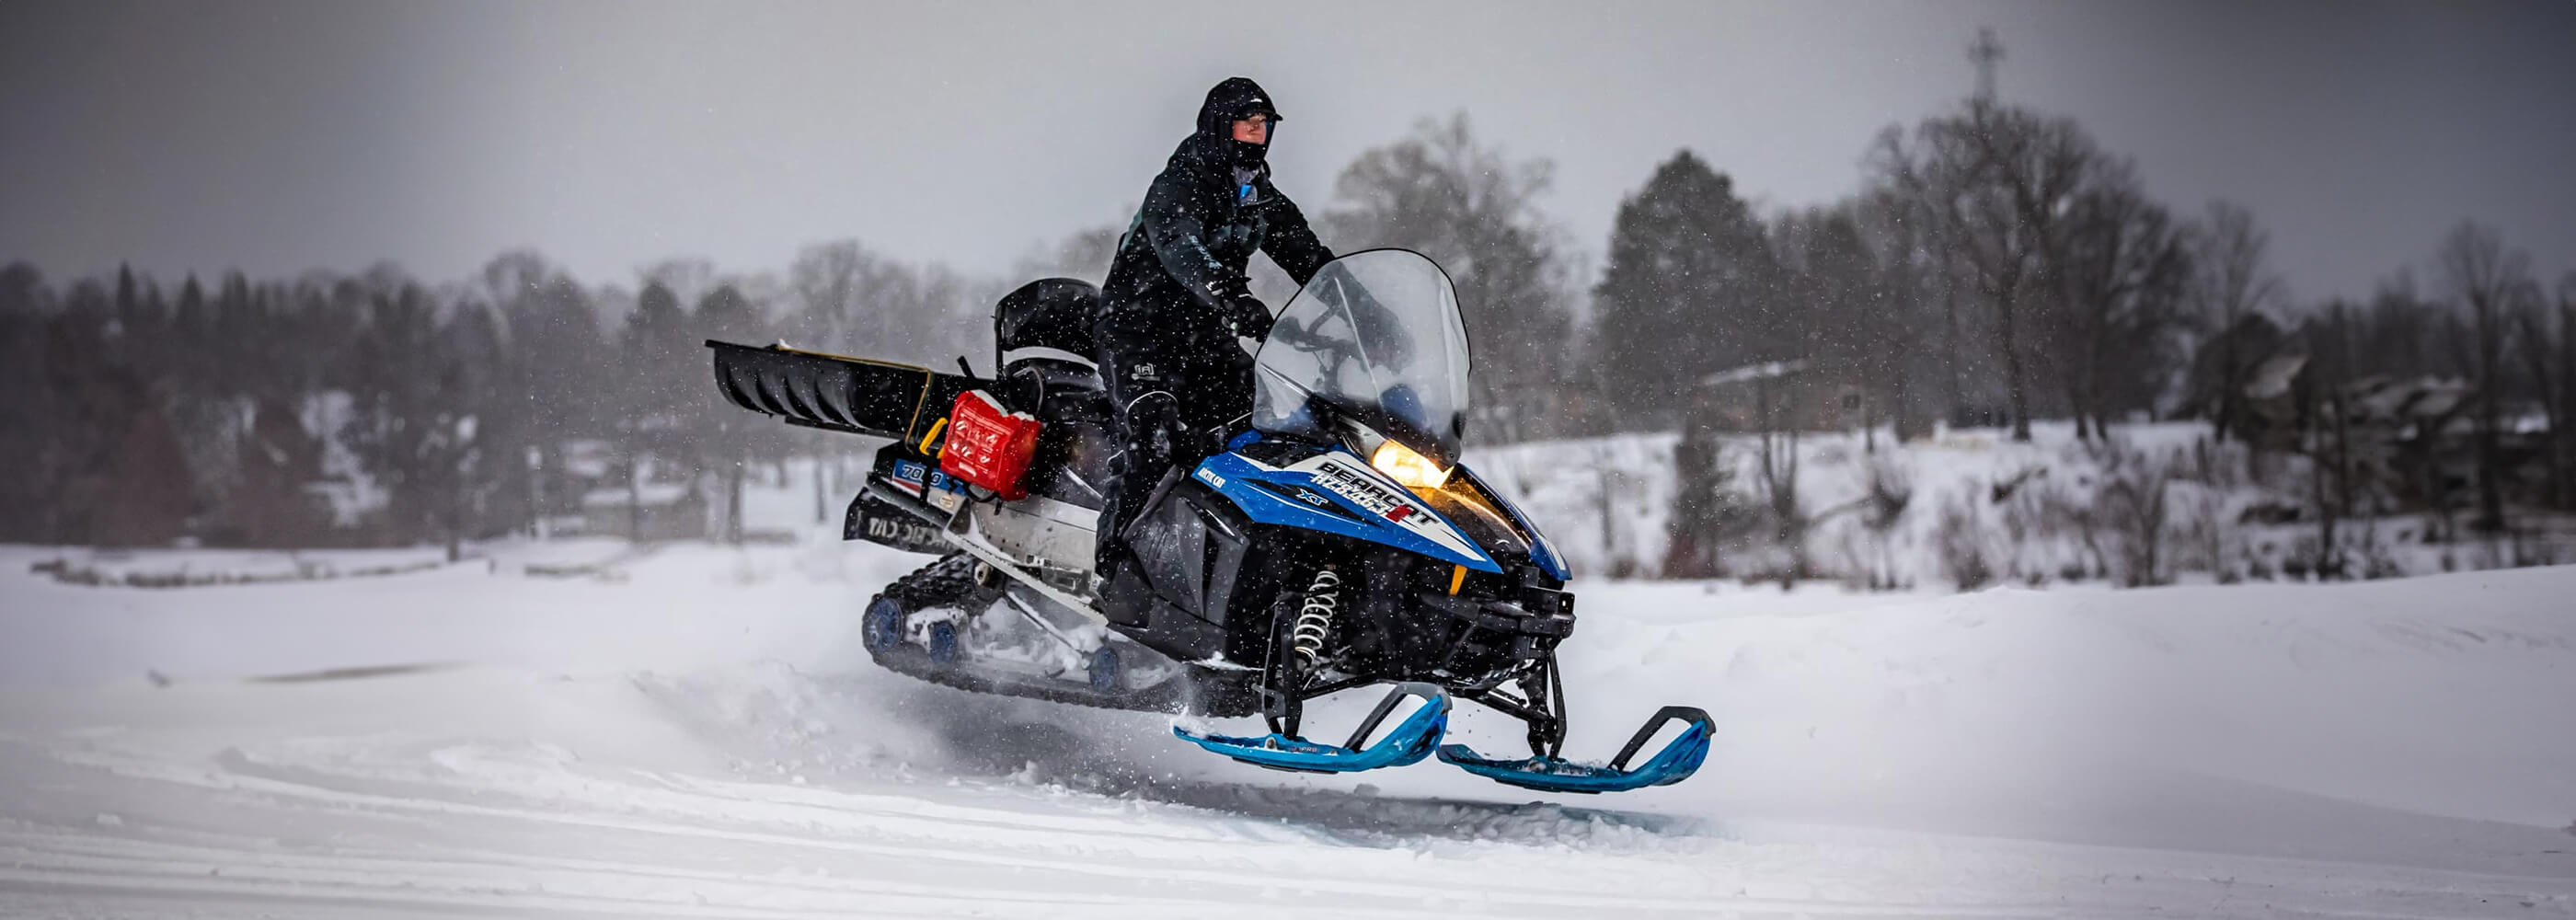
[{"x": 836, "y": 393}]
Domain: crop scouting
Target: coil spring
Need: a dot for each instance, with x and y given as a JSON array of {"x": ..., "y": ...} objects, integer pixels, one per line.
[{"x": 1315, "y": 617}]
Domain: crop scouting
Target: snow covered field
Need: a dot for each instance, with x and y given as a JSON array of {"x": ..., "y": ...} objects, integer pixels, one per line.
[{"x": 693, "y": 731}]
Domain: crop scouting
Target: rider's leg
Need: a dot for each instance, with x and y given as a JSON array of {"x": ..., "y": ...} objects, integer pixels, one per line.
[{"x": 1138, "y": 378}]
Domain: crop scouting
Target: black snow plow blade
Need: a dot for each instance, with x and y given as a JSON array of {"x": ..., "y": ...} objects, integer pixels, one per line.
[{"x": 835, "y": 393}]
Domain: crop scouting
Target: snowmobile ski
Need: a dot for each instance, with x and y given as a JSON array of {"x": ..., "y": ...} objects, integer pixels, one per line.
[
  {"x": 1408, "y": 743},
  {"x": 1676, "y": 762}
]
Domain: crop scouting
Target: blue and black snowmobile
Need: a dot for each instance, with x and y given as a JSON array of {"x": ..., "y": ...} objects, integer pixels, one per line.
[{"x": 1335, "y": 543}]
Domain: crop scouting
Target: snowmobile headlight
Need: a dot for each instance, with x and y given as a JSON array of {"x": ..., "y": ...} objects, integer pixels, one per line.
[{"x": 1408, "y": 468}]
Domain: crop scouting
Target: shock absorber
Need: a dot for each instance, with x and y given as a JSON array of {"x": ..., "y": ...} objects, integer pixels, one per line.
[{"x": 1315, "y": 617}]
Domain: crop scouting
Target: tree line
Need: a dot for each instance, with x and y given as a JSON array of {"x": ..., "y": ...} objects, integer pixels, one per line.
[
  {"x": 377, "y": 409},
  {"x": 1996, "y": 266}
]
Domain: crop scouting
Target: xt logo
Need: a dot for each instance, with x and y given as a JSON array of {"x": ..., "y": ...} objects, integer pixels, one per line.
[{"x": 1145, "y": 373}]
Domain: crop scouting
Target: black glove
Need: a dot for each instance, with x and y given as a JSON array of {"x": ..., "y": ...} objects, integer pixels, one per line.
[
  {"x": 1248, "y": 317},
  {"x": 1242, "y": 313}
]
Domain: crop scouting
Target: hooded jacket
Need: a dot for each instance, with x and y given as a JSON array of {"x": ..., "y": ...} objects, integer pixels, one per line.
[{"x": 1204, "y": 216}]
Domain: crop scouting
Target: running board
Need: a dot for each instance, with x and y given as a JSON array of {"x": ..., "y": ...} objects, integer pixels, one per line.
[{"x": 1002, "y": 562}]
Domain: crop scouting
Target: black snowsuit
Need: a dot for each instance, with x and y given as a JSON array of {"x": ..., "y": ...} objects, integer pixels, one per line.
[{"x": 1167, "y": 351}]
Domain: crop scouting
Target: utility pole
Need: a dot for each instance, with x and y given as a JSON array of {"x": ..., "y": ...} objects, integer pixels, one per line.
[{"x": 1986, "y": 52}]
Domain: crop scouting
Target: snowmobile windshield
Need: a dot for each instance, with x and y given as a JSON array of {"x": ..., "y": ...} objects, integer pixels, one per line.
[{"x": 1375, "y": 339}]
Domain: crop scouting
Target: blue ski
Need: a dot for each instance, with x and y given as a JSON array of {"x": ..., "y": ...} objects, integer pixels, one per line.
[
  {"x": 1407, "y": 743},
  {"x": 1679, "y": 758}
]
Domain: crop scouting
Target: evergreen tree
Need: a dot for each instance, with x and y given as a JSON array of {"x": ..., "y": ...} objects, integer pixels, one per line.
[
  {"x": 29, "y": 410},
  {"x": 1687, "y": 291},
  {"x": 652, "y": 389},
  {"x": 144, "y": 500},
  {"x": 726, "y": 444},
  {"x": 270, "y": 505},
  {"x": 398, "y": 426}
]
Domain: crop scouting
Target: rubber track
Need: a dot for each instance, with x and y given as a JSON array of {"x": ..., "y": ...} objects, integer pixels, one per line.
[{"x": 951, "y": 581}]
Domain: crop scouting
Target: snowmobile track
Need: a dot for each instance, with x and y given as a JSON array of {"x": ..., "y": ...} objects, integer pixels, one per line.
[{"x": 951, "y": 580}]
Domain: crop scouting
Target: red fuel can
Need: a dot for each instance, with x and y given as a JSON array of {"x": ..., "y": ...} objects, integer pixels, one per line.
[{"x": 988, "y": 446}]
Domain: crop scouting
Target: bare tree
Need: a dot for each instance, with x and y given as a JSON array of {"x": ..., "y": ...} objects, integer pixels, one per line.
[
  {"x": 2134, "y": 488},
  {"x": 515, "y": 275},
  {"x": 688, "y": 277},
  {"x": 1083, "y": 254},
  {"x": 1911, "y": 276},
  {"x": 2486, "y": 280},
  {"x": 825, "y": 279},
  {"x": 2124, "y": 274},
  {"x": 2336, "y": 475},
  {"x": 1777, "y": 419},
  {"x": 855, "y": 301},
  {"x": 1473, "y": 209},
  {"x": 2001, "y": 180},
  {"x": 2548, "y": 351},
  {"x": 2229, "y": 288}
]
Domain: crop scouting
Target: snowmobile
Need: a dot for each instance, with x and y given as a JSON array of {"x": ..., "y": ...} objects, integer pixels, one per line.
[{"x": 1335, "y": 541}]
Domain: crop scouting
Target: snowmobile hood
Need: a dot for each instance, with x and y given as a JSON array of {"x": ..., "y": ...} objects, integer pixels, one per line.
[{"x": 1334, "y": 491}]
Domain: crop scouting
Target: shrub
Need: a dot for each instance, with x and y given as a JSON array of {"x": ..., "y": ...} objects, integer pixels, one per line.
[{"x": 1959, "y": 540}]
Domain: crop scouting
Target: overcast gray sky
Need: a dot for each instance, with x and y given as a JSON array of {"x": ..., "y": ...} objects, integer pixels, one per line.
[{"x": 279, "y": 137}]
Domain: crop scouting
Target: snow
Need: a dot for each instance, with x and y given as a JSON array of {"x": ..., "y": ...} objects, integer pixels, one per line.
[
  {"x": 1606, "y": 503},
  {"x": 692, "y": 730},
  {"x": 352, "y": 492},
  {"x": 223, "y": 566},
  {"x": 649, "y": 494}
]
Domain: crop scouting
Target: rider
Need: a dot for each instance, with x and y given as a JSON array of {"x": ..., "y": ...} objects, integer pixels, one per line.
[{"x": 1176, "y": 298}]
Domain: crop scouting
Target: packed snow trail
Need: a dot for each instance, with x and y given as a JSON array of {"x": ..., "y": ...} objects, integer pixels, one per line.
[{"x": 698, "y": 735}]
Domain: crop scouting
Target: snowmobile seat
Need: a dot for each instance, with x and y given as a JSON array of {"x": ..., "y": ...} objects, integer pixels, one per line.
[{"x": 1045, "y": 326}]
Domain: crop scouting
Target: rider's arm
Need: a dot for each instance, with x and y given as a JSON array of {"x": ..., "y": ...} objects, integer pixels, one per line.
[
  {"x": 1174, "y": 227},
  {"x": 1292, "y": 243}
]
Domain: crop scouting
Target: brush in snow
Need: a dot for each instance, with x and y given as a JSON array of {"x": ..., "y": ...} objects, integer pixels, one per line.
[{"x": 1336, "y": 543}]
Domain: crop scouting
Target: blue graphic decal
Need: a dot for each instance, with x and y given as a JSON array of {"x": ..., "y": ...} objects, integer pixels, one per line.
[{"x": 1235, "y": 478}]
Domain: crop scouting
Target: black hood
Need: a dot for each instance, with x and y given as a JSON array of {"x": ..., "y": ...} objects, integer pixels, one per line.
[
  {"x": 1231, "y": 100},
  {"x": 1228, "y": 102}
]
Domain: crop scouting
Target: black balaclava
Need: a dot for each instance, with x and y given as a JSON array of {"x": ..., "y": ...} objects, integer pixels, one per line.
[{"x": 1226, "y": 103}]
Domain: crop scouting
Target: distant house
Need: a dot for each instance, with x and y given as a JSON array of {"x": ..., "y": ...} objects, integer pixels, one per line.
[
  {"x": 2268, "y": 402},
  {"x": 1789, "y": 394},
  {"x": 589, "y": 459},
  {"x": 2412, "y": 438},
  {"x": 2415, "y": 435}
]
